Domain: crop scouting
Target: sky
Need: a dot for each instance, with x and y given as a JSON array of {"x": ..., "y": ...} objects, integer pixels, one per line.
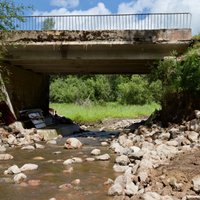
[{"x": 98, "y": 7}]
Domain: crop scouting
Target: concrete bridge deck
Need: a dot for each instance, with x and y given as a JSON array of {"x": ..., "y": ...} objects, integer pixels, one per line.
[{"x": 83, "y": 52}]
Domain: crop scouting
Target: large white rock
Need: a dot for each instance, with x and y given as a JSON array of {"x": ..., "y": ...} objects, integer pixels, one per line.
[
  {"x": 72, "y": 143},
  {"x": 29, "y": 166},
  {"x": 11, "y": 139},
  {"x": 122, "y": 160},
  {"x": 192, "y": 136},
  {"x": 68, "y": 162},
  {"x": 119, "y": 168},
  {"x": 131, "y": 188},
  {"x": 77, "y": 160},
  {"x": 6, "y": 156},
  {"x": 96, "y": 152},
  {"x": 115, "y": 189},
  {"x": 196, "y": 183},
  {"x": 13, "y": 170},
  {"x": 19, "y": 178},
  {"x": 103, "y": 157}
]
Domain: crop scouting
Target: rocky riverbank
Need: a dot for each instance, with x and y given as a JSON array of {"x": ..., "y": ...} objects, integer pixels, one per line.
[
  {"x": 145, "y": 159},
  {"x": 151, "y": 162}
]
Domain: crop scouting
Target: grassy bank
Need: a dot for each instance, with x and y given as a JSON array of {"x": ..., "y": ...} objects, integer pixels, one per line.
[{"x": 94, "y": 113}]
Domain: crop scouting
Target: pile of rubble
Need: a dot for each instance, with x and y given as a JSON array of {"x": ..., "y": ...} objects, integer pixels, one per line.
[
  {"x": 16, "y": 136},
  {"x": 148, "y": 148}
]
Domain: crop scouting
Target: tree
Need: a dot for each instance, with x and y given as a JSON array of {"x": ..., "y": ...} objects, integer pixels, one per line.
[
  {"x": 9, "y": 13},
  {"x": 48, "y": 24}
]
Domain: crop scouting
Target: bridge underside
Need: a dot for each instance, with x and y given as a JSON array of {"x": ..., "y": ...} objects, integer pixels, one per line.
[{"x": 91, "y": 58}]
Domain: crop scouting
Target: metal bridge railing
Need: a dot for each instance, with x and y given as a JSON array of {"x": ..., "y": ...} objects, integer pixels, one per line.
[{"x": 149, "y": 21}]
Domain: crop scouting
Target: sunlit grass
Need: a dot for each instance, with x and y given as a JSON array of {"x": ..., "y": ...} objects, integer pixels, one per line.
[{"x": 94, "y": 113}]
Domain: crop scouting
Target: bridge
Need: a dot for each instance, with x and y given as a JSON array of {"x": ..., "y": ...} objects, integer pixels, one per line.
[{"x": 108, "y": 44}]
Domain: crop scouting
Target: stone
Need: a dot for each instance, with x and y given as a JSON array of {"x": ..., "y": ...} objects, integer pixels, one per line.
[
  {"x": 103, "y": 157},
  {"x": 172, "y": 143},
  {"x": 192, "y": 135},
  {"x": 96, "y": 152},
  {"x": 38, "y": 158},
  {"x": 11, "y": 139},
  {"x": 196, "y": 183},
  {"x": 28, "y": 147},
  {"x": 19, "y": 178},
  {"x": 72, "y": 143},
  {"x": 29, "y": 166},
  {"x": 65, "y": 186},
  {"x": 77, "y": 160},
  {"x": 115, "y": 189},
  {"x": 164, "y": 151},
  {"x": 6, "y": 156},
  {"x": 164, "y": 136},
  {"x": 151, "y": 196},
  {"x": 53, "y": 142},
  {"x": 68, "y": 162},
  {"x": 2, "y": 149},
  {"x": 119, "y": 168},
  {"x": 108, "y": 182},
  {"x": 39, "y": 146},
  {"x": 76, "y": 182},
  {"x": 122, "y": 160},
  {"x": 131, "y": 188},
  {"x": 197, "y": 114},
  {"x": 52, "y": 198},
  {"x": 68, "y": 170},
  {"x": 13, "y": 170},
  {"x": 124, "y": 141},
  {"x": 90, "y": 159},
  {"x": 104, "y": 144}
]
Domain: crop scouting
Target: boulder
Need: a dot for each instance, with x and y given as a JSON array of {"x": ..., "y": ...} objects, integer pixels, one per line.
[
  {"x": 122, "y": 160},
  {"x": 115, "y": 189},
  {"x": 103, "y": 157},
  {"x": 96, "y": 152},
  {"x": 72, "y": 143},
  {"x": 29, "y": 166},
  {"x": 28, "y": 147},
  {"x": 6, "y": 156},
  {"x": 19, "y": 178},
  {"x": 196, "y": 183},
  {"x": 13, "y": 170}
]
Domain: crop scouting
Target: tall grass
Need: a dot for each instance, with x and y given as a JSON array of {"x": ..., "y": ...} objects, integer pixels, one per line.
[{"x": 94, "y": 113}]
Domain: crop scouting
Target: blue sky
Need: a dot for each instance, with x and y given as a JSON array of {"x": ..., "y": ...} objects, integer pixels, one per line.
[{"x": 61, "y": 7}]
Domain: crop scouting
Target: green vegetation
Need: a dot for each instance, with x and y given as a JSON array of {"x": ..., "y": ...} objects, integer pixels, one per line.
[
  {"x": 94, "y": 113},
  {"x": 9, "y": 12},
  {"x": 48, "y": 24},
  {"x": 124, "y": 89},
  {"x": 180, "y": 82}
]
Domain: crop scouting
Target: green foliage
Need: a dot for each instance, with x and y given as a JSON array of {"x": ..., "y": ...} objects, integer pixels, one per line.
[
  {"x": 48, "y": 24},
  {"x": 179, "y": 74},
  {"x": 135, "y": 91},
  {"x": 125, "y": 89},
  {"x": 9, "y": 12}
]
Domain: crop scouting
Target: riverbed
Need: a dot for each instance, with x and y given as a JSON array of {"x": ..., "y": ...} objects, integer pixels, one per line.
[{"x": 46, "y": 182}]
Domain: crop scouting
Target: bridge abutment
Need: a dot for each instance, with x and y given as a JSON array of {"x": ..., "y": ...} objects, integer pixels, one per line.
[{"x": 27, "y": 89}]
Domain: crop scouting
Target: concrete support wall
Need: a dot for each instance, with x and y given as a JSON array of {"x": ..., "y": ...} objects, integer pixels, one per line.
[{"x": 27, "y": 89}]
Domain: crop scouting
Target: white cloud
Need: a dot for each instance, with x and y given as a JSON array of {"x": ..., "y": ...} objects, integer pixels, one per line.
[
  {"x": 76, "y": 23},
  {"x": 162, "y": 6},
  {"x": 99, "y": 9},
  {"x": 65, "y": 3}
]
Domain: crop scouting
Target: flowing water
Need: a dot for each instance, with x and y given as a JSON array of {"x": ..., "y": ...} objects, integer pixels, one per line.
[{"x": 52, "y": 173}]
